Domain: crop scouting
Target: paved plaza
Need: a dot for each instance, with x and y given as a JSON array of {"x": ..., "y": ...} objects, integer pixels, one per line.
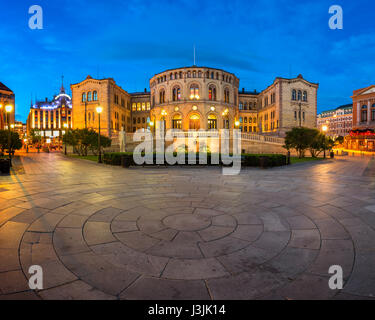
[{"x": 103, "y": 232}]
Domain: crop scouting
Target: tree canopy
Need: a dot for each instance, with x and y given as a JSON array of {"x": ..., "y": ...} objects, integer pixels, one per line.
[
  {"x": 84, "y": 140},
  {"x": 302, "y": 139}
]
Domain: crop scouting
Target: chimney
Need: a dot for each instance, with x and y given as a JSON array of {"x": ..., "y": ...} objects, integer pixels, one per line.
[
  {"x": 145, "y": 90},
  {"x": 46, "y": 99},
  {"x": 243, "y": 90}
]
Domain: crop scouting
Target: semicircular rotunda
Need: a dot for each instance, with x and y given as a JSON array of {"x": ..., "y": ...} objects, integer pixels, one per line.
[{"x": 194, "y": 98}]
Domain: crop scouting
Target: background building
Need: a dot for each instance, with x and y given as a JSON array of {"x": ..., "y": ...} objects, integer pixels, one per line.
[
  {"x": 362, "y": 137},
  {"x": 196, "y": 98},
  {"x": 364, "y": 108},
  {"x": 51, "y": 118},
  {"x": 20, "y": 128},
  {"x": 339, "y": 121},
  {"x": 115, "y": 101},
  {"x": 7, "y": 97},
  {"x": 141, "y": 107}
]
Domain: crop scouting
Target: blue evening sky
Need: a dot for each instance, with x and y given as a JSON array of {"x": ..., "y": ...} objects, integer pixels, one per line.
[{"x": 131, "y": 40}]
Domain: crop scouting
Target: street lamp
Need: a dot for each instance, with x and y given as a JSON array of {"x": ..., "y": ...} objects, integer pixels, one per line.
[
  {"x": 66, "y": 127},
  {"x": 99, "y": 110},
  {"x": 26, "y": 144},
  {"x": 324, "y": 128},
  {"x": 8, "y": 110}
]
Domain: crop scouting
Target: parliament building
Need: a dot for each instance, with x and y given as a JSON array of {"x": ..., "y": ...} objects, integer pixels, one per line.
[{"x": 196, "y": 98}]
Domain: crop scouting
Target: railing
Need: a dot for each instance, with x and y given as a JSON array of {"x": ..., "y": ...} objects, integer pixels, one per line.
[
  {"x": 212, "y": 134},
  {"x": 262, "y": 138}
]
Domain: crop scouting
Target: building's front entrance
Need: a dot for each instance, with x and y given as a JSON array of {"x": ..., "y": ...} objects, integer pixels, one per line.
[{"x": 194, "y": 122}]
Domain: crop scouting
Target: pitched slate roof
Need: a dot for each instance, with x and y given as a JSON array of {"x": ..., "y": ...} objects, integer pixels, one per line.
[{"x": 4, "y": 87}]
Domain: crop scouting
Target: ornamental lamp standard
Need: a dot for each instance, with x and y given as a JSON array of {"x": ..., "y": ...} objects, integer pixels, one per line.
[
  {"x": 325, "y": 129},
  {"x": 99, "y": 110},
  {"x": 26, "y": 145},
  {"x": 8, "y": 110},
  {"x": 66, "y": 127}
]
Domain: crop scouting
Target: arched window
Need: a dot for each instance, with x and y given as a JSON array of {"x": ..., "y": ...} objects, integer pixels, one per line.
[
  {"x": 240, "y": 106},
  {"x": 212, "y": 75},
  {"x": 162, "y": 96},
  {"x": 176, "y": 94},
  {"x": 304, "y": 96},
  {"x": 83, "y": 97},
  {"x": 226, "y": 95},
  {"x": 194, "y": 91},
  {"x": 212, "y": 93},
  {"x": 177, "y": 122},
  {"x": 299, "y": 95},
  {"x": 95, "y": 96},
  {"x": 89, "y": 116},
  {"x": 89, "y": 96},
  {"x": 212, "y": 122},
  {"x": 294, "y": 94},
  {"x": 93, "y": 116}
]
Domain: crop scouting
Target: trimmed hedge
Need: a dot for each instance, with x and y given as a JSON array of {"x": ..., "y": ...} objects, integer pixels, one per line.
[
  {"x": 247, "y": 160},
  {"x": 264, "y": 160}
]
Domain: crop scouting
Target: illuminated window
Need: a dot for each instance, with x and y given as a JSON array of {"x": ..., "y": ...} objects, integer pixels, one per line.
[
  {"x": 148, "y": 106},
  {"x": 138, "y": 106},
  {"x": 134, "y": 107},
  {"x": 212, "y": 122},
  {"x": 144, "y": 106},
  {"x": 212, "y": 93},
  {"x": 176, "y": 94},
  {"x": 177, "y": 122},
  {"x": 194, "y": 91}
]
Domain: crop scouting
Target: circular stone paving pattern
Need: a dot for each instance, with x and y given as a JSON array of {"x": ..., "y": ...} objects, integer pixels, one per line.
[
  {"x": 186, "y": 222},
  {"x": 169, "y": 234}
]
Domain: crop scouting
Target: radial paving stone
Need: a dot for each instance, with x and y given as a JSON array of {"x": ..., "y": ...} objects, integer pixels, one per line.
[
  {"x": 76, "y": 290},
  {"x": 163, "y": 289},
  {"x": 185, "y": 233}
]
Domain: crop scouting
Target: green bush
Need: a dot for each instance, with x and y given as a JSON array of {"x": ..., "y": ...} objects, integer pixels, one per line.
[
  {"x": 273, "y": 160},
  {"x": 114, "y": 158}
]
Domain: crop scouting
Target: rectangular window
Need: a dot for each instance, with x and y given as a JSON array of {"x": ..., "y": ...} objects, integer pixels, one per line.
[{"x": 176, "y": 123}]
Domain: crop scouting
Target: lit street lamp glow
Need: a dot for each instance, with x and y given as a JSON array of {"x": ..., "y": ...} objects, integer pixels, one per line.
[
  {"x": 8, "y": 108},
  {"x": 99, "y": 110}
]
